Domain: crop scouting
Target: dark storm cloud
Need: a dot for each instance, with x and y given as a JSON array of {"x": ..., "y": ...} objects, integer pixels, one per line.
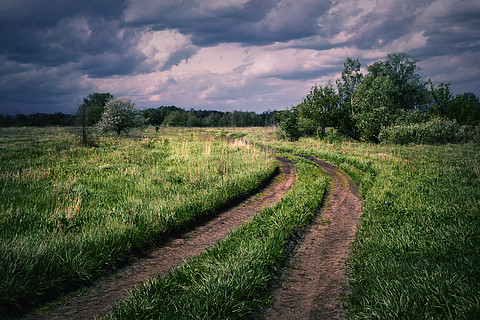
[
  {"x": 52, "y": 52},
  {"x": 254, "y": 22}
]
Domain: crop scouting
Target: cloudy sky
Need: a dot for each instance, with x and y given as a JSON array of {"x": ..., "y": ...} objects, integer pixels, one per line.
[{"x": 220, "y": 54}]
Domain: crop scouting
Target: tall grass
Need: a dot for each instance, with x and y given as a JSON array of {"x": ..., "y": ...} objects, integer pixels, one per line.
[
  {"x": 417, "y": 255},
  {"x": 232, "y": 279},
  {"x": 70, "y": 213}
]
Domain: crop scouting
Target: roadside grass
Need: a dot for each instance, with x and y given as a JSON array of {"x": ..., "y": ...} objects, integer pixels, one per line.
[
  {"x": 232, "y": 279},
  {"x": 69, "y": 213},
  {"x": 417, "y": 255}
]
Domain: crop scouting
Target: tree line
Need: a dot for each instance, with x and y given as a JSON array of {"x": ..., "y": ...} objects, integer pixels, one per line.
[
  {"x": 90, "y": 112},
  {"x": 390, "y": 103}
]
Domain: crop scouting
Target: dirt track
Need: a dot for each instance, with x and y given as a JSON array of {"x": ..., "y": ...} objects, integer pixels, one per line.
[
  {"x": 103, "y": 295},
  {"x": 313, "y": 284}
]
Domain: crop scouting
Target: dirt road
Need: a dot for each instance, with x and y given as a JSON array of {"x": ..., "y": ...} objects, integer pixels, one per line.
[
  {"x": 313, "y": 283},
  {"x": 103, "y": 295}
]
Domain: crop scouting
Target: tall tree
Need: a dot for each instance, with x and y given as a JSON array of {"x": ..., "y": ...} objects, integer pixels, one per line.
[
  {"x": 402, "y": 70},
  {"x": 289, "y": 123},
  {"x": 347, "y": 87},
  {"x": 90, "y": 112},
  {"x": 318, "y": 106},
  {"x": 446, "y": 104},
  {"x": 375, "y": 101}
]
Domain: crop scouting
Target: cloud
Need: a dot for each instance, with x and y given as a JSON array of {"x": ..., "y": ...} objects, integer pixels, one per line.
[
  {"x": 163, "y": 49},
  {"x": 220, "y": 53}
]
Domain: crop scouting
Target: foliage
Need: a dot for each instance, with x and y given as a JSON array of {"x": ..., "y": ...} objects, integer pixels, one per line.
[
  {"x": 90, "y": 112},
  {"x": 347, "y": 87},
  {"x": 375, "y": 101},
  {"x": 458, "y": 107},
  {"x": 391, "y": 94},
  {"x": 69, "y": 213},
  {"x": 177, "y": 117},
  {"x": 120, "y": 114},
  {"x": 434, "y": 131},
  {"x": 402, "y": 70},
  {"x": 37, "y": 120},
  {"x": 156, "y": 117},
  {"x": 289, "y": 125},
  {"x": 318, "y": 107}
]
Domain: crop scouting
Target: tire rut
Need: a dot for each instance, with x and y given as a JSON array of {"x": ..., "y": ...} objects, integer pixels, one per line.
[
  {"x": 316, "y": 276},
  {"x": 101, "y": 297}
]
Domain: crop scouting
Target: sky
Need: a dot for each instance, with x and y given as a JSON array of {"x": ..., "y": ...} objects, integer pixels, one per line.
[{"x": 250, "y": 55}]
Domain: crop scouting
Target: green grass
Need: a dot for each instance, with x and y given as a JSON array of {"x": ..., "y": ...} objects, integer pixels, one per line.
[
  {"x": 232, "y": 279},
  {"x": 70, "y": 213},
  {"x": 417, "y": 255}
]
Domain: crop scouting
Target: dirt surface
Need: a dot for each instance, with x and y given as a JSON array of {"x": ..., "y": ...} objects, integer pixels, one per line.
[
  {"x": 312, "y": 284},
  {"x": 103, "y": 295}
]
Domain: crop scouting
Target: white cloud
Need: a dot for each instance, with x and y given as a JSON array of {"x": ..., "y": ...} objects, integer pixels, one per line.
[
  {"x": 220, "y": 4},
  {"x": 165, "y": 47}
]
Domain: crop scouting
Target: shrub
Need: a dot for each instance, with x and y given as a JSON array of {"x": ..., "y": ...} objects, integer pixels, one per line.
[
  {"x": 434, "y": 131},
  {"x": 121, "y": 114}
]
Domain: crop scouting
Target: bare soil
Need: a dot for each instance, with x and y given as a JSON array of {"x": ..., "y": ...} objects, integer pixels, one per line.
[
  {"x": 313, "y": 282},
  {"x": 100, "y": 298}
]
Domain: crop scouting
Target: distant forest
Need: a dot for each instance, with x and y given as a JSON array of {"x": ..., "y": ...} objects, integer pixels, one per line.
[{"x": 164, "y": 115}]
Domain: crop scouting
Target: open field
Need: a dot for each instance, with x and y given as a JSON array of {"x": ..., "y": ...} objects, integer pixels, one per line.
[
  {"x": 417, "y": 255},
  {"x": 69, "y": 213},
  {"x": 232, "y": 279}
]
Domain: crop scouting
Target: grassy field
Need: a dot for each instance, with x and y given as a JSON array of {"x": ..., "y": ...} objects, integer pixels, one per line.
[
  {"x": 417, "y": 255},
  {"x": 69, "y": 213},
  {"x": 232, "y": 279}
]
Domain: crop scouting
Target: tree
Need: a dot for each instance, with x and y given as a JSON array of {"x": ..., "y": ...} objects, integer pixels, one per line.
[
  {"x": 456, "y": 107},
  {"x": 175, "y": 118},
  {"x": 347, "y": 87},
  {"x": 318, "y": 107},
  {"x": 90, "y": 112},
  {"x": 121, "y": 114},
  {"x": 402, "y": 69},
  {"x": 193, "y": 121},
  {"x": 375, "y": 101},
  {"x": 289, "y": 124}
]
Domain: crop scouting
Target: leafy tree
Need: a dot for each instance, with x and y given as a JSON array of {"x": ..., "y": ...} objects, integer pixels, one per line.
[
  {"x": 289, "y": 127},
  {"x": 175, "y": 118},
  {"x": 375, "y": 101},
  {"x": 347, "y": 87},
  {"x": 193, "y": 121},
  {"x": 157, "y": 116},
  {"x": 402, "y": 69},
  {"x": 121, "y": 114},
  {"x": 90, "y": 112},
  {"x": 456, "y": 107},
  {"x": 318, "y": 106}
]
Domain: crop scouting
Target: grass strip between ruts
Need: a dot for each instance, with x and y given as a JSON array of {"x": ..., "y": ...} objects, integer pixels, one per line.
[{"x": 231, "y": 279}]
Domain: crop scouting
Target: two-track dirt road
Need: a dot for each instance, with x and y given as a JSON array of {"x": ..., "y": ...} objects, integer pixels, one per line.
[
  {"x": 311, "y": 287},
  {"x": 313, "y": 284},
  {"x": 103, "y": 295}
]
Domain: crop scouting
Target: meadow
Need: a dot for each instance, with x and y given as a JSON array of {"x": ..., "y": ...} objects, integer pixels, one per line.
[
  {"x": 69, "y": 213},
  {"x": 417, "y": 254}
]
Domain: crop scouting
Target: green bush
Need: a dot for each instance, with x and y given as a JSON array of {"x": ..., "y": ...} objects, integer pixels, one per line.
[{"x": 434, "y": 131}]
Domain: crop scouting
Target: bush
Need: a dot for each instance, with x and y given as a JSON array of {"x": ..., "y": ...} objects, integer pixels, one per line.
[
  {"x": 121, "y": 114},
  {"x": 434, "y": 131}
]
